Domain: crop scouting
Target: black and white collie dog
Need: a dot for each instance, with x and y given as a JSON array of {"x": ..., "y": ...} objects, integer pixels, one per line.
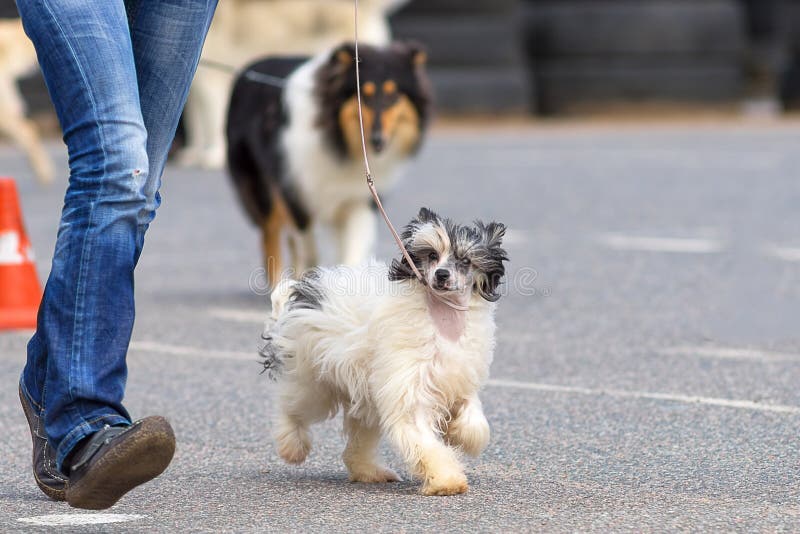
[
  {"x": 294, "y": 152},
  {"x": 388, "y": 351}
]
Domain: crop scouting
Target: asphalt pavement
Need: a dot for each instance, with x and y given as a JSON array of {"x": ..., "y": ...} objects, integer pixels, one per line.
[{"x": 647, "y": 372}]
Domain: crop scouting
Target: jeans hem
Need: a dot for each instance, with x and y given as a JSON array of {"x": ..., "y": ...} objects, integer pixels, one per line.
[
  {"x": 83, "y": 430},
  {"x": 28, "y": 396}
]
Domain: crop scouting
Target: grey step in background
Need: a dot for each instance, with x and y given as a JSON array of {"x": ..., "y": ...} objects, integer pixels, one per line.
[
  {"x": 485, "y": 89},
  {"x": 452, "y": 7},
  {"x": 641, "y": 27},
  {"x": 37, "y": 99},
  {"x": 788, "y": 24},
  {"x": 556, "y": 55},
  {"x": 8, "y": 9},
  {"x": 476, "y": 55},
  {"x": 606, "y": 51},
  {"x": 463, "y": 40},
  {"x": 566, "y": 85}
]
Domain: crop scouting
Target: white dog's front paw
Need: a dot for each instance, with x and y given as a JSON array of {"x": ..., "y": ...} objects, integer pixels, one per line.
[
  {"x": 469, "y": 430},
  {"x": 294, "y": 444},
  {"x": 374, "y": 474},
  {"x": 445, "y": 484}
]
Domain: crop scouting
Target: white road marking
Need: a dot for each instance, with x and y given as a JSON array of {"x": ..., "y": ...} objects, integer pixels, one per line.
[
  {"x": 240, "y": 316},
  {"x": 669, "y": 397},
  {"x": 179, "y": 350},
  {"x": 724, "y": 353},
  {"x": 661, "y": 244},
  {"x": 64, "y": 520},
  {"x": 784, "y": 253}
]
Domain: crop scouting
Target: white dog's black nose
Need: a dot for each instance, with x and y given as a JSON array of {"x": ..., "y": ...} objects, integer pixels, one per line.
[{"x": 442, "y": 275}]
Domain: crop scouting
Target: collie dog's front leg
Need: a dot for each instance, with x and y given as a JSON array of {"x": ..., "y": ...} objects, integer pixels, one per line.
[
  {"x": 468, "y": 428},
  {"x": 428, "y": 457},
  {"x": 356, "y": 228}
]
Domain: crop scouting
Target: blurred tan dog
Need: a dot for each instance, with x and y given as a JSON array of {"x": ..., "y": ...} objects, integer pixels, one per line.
[
  {"x": 245, "y": 30},
  {"x": 17, "y": 59}
]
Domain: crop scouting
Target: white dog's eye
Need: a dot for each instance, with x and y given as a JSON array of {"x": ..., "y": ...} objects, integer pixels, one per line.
[
  {"x": 433, "y": 256},
  {"x": 465, "y": 262}
]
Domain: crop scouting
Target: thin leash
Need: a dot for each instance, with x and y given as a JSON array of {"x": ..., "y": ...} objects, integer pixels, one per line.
[{"x": 371, "y": 181}]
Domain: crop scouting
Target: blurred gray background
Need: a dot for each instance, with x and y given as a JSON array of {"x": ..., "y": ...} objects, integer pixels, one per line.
[{"x": 556, "y": 57}]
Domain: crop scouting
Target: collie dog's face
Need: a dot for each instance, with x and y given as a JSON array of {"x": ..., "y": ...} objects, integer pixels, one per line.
[
  {"x": 454, "y": 258},
  {"x": 395, "y": 98}
]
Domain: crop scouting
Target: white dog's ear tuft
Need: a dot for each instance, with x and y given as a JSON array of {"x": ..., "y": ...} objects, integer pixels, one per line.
[
  {"x": 490, "y": 262},
  {"x": 493, "y": 233},
  {"x": 427, "y": 215}
]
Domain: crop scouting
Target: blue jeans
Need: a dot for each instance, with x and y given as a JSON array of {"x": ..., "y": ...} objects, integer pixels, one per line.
[{"x": 118, "y": 73}]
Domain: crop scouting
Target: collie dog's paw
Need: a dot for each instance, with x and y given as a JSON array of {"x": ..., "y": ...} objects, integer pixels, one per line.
[
  {"x": 374, "y": 474},
  {"x": 450, "y": 484}
]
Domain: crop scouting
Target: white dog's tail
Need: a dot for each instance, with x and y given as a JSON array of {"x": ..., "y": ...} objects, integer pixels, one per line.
[
  {"x": 269, "y": 352},
  {"x": 280, "y": 296}
]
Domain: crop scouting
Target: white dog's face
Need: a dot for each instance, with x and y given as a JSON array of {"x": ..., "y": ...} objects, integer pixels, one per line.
[{"x": 454, "y": 258}]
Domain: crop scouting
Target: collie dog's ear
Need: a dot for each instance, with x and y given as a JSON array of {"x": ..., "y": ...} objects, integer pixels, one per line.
[
  {"x": 343, "y": 54},
  {"x": 490, "y": 263},
  {"x": 414, "y": 51},
  {"x": 417, "y": 53}
]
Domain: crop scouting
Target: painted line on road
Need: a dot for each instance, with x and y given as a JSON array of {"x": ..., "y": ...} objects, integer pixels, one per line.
[
  {"x": 661, "y": 244},
  {"x": 239, "y": 316},
  {"x": 783, "y": 253},
  {"x": 726, "y": 353},
  {"x": 669, "y": 397},
  {"x": 66, "y": 520},
  {"x": 179, "y": 350}
]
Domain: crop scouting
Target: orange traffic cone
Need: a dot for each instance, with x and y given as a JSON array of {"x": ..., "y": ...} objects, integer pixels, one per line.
[{"x": 20, "y": 291}]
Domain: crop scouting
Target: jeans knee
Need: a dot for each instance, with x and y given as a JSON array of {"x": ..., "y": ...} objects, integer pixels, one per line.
[
  {"x": 145, "y": 187},
  {"x": 125, "y": 179}
]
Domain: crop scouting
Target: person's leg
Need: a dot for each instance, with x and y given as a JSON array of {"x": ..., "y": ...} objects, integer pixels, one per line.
[
  {"x": 118, "y": 94},
  {"x": 76, "y": 368},
  {"x": 167, "y": 39}
]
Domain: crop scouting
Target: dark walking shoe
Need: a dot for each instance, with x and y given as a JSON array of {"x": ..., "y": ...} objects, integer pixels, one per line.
[
  {"x": 116, "y": 459},
  {"x": 49, "y": 479}
]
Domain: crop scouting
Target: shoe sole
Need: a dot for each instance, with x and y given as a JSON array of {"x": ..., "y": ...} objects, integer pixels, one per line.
[
  {"x": 137, "y": 458},
  {"x": 55, "y": 494}
]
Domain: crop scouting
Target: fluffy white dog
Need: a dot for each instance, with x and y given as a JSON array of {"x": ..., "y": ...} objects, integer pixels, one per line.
[{"x": 392, "y": 353}]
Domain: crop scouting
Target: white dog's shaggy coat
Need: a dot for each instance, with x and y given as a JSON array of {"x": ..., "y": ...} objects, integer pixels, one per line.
[{"x": 373, "y": 341}]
